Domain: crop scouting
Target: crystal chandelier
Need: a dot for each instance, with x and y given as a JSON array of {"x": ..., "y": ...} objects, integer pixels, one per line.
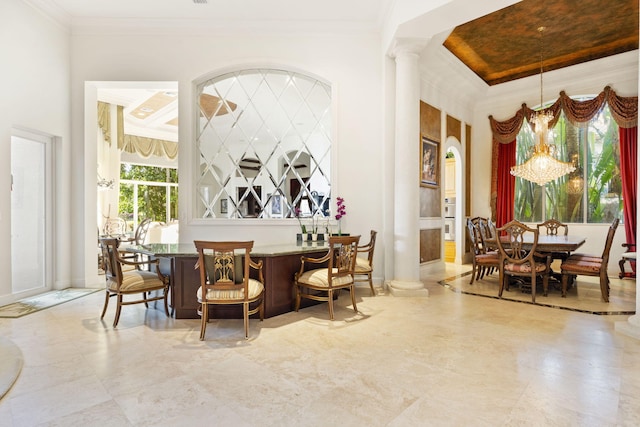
[
  {"x": 104, "y": 184},
  {"x": 542, "y": 166}
]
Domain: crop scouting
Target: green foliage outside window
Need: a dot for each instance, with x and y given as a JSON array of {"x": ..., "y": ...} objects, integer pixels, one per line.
[
  {"x": 151, "y": 195},
  {"x": 595, "y": 151}
]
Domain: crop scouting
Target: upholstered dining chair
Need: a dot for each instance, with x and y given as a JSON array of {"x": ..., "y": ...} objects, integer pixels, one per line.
[
  {"x": 517, "y": 244},
  {"x": 553, "y": 227},
  {"x": 483, "y": 261},
  {"x": 319, "y": 284},
  {"x": 225, "y": 280},
  {"x": 136, "y": 281},
  {"x": 364, "y": 266},
  {"x": 579, "y": 264},
  {"x": 628, "y": 256}
]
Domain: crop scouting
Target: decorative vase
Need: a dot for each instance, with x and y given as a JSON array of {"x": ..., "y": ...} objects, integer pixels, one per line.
[{"x": 314, "y": 237}]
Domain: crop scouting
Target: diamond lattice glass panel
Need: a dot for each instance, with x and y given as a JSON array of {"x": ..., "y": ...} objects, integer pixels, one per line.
[{"x": 264, "y": 145}]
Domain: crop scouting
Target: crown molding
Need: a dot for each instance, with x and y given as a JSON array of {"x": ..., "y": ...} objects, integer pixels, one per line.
[{"x": 51, "y": 10}]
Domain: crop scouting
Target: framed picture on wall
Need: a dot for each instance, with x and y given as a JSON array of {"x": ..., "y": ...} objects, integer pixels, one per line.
[{"x": 429, "y": 163}]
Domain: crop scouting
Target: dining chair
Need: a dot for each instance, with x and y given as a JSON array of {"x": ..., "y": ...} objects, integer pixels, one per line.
[
  {"x": 225, "y": 280},
  {"x": 483, "y": 261},
  {"x": 319, "y": 284},
  {"x": 551, "y": 227},
  {"x": 628, "y": 256},
  {"x": 579, "y": 264},
  {"x": 114, "y": 227},
  {"x": 518, "y": 259},
  {"x": 364, "y": 266},
  {"x": 137, "y": 239},
  {"x": 135, "y": 281}
]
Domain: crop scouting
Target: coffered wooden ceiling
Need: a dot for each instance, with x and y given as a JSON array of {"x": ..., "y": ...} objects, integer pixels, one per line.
[{"x": 505, "y": 45}]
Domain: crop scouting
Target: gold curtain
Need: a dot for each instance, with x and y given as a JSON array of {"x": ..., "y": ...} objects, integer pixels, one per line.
[
  {"x": 624, "y": 111},
  {"x": 145, "y": 147},
  {"x": 104, "y": 120}
]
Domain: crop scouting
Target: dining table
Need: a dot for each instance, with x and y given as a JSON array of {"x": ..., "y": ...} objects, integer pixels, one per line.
[{"x": 548, "y": 244}]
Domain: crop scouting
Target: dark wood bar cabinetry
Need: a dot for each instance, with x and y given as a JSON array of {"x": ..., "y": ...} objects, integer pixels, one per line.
[{"x": 280, "y": 263}]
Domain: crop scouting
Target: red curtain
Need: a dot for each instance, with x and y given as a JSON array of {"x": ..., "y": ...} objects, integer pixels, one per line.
[
  {"x": 506, "y": 185},
  {"x": 628, "y": 174}
]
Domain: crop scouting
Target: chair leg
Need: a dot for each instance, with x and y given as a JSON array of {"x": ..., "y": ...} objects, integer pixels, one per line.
[
  {"x": 204, "y": 320},
  {"x": 118, "y": 308},
  {"x": 604, "y": 286},
  {"x": 373, "y": 291},
  {"x": 352, "y": 289},
  {"x": 297, "y": 287},
  {"x": 501, "y": 279},
  {"x": 533, "y": 286},
  {"x": 565, "y": 282},
  {"x": 245, "y": 312},
  {"x": 473, "y": 273},
  {"x": 166, "y": 302},
  {"x": 106, "y": 303},
  {"x": 330, "y": 304}
]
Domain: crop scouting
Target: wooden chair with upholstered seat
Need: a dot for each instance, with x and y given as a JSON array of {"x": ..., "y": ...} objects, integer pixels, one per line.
[
  {"x": 364, "y": 266},
  {"x": 137, "y": 239},
  {"x": 483, "y": 261},
  {"x": 628, "y": 256},
  {"x": 225, "y": 279},
  {"x": 518, "y": 256},
  {"x": 136, "y": 281},
  {"x": 579, "y": 264},
  {"x": 552, "y": 227},
  {"x": 319, "y": 284}
]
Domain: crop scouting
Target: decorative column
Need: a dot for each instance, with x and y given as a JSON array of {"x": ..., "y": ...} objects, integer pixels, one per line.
[{"x": 406, "y": 237}]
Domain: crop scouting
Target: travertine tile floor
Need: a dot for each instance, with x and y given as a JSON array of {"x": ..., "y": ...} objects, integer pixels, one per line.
[{"x": 446, "y": 360}]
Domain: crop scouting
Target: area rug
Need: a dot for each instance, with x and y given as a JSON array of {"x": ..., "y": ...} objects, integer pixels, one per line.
[
  {"x": 10, "y": 365},
  {"x": 42, "y": 301},
  {"x": 583, "y": 297}
]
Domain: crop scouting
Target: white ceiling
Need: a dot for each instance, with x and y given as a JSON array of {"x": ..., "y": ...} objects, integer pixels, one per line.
[{"x": 363, "y": 14}]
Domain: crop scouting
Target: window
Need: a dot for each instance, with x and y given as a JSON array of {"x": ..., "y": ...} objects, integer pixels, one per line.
[
  {"x": 591, "y": 194},
  {"x": 148, "y": 192}
]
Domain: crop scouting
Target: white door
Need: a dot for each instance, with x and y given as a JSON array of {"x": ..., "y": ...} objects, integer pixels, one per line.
[{"x": 31, "y": 184}]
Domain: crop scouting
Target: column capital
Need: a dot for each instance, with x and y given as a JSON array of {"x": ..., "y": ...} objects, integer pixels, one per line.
[{"x": 407, "y": 46}]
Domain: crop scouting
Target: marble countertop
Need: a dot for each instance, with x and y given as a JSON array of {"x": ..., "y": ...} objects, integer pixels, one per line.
[{"x": 189, "y": 249}]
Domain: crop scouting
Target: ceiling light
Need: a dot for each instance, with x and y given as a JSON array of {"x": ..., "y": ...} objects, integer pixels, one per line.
[
  {"x": 200, "y": 1},
  {"x": 542, "y": 166}
]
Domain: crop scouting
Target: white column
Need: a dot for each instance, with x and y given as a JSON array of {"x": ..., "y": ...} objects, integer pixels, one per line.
[{"x": 406, "y": 238}]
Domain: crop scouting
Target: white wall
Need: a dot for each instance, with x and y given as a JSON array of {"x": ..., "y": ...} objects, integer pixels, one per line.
[
  {"x": 34, "y": 83},
  {"x": 351, "y": 64}
]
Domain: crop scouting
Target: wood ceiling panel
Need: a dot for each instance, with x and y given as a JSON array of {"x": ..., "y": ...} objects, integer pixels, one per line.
[{"x": 505, "y": 45}]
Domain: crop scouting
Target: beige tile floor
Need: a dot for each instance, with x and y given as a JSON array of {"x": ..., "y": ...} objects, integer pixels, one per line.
[{"x": 446, "y": 360}]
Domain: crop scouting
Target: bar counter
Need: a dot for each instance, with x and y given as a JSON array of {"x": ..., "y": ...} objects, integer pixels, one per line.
[{"x": 280, "y": 263}]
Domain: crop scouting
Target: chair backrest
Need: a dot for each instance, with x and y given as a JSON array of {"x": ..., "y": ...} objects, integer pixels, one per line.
[
  {"x": 607, "y": 246},
  {"x": 474, "y": 236},
  {"x": 487, "y": 230},
  {"x": 342, "y": 256},
  {"x": 141, "y": 231},
  {"x": 552, "y": 225},
  {"x": 110, "y": 264},
  {"x": 220, "y": 266},
  {"x": 369, "y": 248},
  {"x": 114, "y": 227},
  {"x": 512, "y": 245}
]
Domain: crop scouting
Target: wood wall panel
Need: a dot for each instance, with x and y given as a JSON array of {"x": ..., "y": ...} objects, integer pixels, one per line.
[
  {"x": 430, "y": 244},
  {"x": 454, "y": 128},
  {"x": 430, "y": 124},
  {"x": 430, "y": 127}
]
